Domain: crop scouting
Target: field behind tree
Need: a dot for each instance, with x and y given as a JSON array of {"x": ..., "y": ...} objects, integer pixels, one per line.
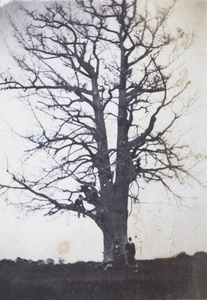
[{"x": 181, "y": 277}]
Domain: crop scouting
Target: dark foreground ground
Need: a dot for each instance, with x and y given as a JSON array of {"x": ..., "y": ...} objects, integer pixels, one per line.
[{"x": 181, "y": 277}]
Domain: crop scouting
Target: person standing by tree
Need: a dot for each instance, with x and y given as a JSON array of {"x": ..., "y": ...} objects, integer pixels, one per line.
[
  {"x": 117, "y": 257},
  {"x": 130, "y": 252}
]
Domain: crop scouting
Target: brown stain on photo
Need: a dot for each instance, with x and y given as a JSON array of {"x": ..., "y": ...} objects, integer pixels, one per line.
[{"x": 63, "y": 247}]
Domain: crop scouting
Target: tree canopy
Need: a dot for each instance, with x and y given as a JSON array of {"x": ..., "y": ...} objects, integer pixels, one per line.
[{"x": 105, "y": 89}]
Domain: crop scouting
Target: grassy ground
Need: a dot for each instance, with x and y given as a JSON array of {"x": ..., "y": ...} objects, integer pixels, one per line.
[{"x": 181, "y": 277}]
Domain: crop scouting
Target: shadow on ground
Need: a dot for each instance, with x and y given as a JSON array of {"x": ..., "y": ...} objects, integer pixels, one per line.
[{"x": 181, "y": 277}]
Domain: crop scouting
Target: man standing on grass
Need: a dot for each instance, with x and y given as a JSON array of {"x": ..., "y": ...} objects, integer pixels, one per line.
[{"x": 130, "y": 252}]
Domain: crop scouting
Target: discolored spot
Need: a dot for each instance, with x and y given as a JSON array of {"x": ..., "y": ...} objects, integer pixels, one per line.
[{"x": 63, "y": 247}]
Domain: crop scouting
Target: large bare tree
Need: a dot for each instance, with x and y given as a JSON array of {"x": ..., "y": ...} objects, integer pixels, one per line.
[{"x": 102, "y": 83}]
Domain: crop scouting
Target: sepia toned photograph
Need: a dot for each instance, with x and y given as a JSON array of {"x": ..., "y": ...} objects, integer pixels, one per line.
[{"x": 103, "y": 135}]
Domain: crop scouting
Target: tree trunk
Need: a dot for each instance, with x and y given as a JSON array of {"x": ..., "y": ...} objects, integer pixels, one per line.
[
  {"x": 113, "y": 224},
  {"x": 116, "y": 230}
]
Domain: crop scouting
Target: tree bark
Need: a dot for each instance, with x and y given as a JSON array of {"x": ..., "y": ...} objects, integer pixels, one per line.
[
  {"x": 113, "y": 223},
  {"x": 116, "y": 230}
]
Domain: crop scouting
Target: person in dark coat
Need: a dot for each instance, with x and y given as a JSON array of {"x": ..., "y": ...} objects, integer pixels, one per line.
[
  {"x": 79, "y": 205},
  {"x": 116, "y": 251},
  {"x": 130, "y": 252},
  {"x": 117, "y": 256}
]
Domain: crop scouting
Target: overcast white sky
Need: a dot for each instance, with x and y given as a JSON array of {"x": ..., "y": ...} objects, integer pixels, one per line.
[{"x": 159, "y": 227}]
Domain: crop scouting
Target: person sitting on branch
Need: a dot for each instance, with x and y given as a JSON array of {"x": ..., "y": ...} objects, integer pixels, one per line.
[
  {"x": 79, "y": 205},
  {"x": 91, "y": 193}
]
